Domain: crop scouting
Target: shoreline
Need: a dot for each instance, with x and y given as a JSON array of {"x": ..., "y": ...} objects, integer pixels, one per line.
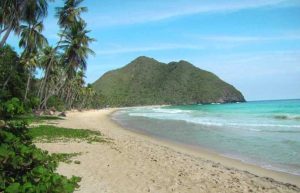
[
  {"x": 215, "y": 156},
  {"x": 137, "y": 163}
]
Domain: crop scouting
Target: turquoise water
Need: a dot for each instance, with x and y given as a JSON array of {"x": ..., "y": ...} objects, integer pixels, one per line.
[{"x": 265, "y": 133}]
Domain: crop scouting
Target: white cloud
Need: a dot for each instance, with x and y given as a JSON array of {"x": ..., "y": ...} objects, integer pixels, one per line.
[
  {"x": 131, "y": 12},
  {"x": 246, "y": 39},
  {"x": 196, "y": 42},
  {"x": 117, "y": 49},
  {"x": 261, "y": 63}
]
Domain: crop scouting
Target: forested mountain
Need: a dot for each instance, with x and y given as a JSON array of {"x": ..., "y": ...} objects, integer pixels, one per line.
[{"x": 146, "y": 81}]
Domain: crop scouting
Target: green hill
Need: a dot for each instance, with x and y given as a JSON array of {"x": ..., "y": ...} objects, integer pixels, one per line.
[{"x": 146, "y": 81}]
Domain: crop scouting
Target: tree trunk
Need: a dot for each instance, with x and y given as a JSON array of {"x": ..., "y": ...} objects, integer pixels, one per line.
[
  {"x": 8, "y": 78},
  {"x": 4, "y": 38},
  {"x": 83, "y": 102},
  {"x": 27, "y": 87},
  {"x": 22, "y": 9},
  {"x": 6, "y": 82},
  {"x": 43, "y": 83},
  {"x": 3, "y": 30}
]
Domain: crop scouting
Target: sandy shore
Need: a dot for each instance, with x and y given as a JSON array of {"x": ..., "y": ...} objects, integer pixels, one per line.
[{"x": 135, "y": 163}]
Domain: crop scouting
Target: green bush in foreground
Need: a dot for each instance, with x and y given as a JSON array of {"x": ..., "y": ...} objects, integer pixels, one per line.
[
  {"x": 11, "y": 108},
  {"x": 27, "y": 169}
]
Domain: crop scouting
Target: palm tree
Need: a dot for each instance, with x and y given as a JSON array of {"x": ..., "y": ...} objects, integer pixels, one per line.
[
  {"x": 31, "y": 37},
  {"x": 32, "y": 41},
  {"x": 49, "y": 60},
  {"x": 13, "y": 12},
  {"x": 73, "y": 88},
  {"x": 75, "y": 43},
  {"x": 69, "y": 14},
  {"x": 88, "y": 93},
  {"x": 54, "y": 84}
]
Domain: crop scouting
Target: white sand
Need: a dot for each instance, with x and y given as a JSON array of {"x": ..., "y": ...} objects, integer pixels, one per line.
[{"x": 134, "y": 163}]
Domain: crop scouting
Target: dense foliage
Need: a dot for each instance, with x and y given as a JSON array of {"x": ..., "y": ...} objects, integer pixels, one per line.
[
  {"x": 61, "y": 68},
  {"x": 146, "y": 81},
  {"x": 12, "y": 75},
  {"x": 25, "y": 168},
  {"x": 11, "y": 108}
]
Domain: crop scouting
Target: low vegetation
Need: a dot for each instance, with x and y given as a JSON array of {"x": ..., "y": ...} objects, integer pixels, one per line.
[
  {"x": 31, "y": 118},
  {"x": 50, "y": 133},
  {"x": 65, "y": 157},
  {"x": 24, "y": 168}
]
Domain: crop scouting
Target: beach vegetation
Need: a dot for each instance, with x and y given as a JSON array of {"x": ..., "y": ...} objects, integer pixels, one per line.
[
  {"x": 26, "y": 168},
  {"x": 59, "y": 86},
  {"x": 65, "y": 157},
  {"x": 50, "y": 133},
  {"x": 36, "y": 119},
  {"x": 61, "y": 67}
]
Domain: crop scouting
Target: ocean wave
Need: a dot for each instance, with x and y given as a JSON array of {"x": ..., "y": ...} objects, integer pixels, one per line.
[
  {"x": 282, "y": 131},
  {"x": 263, "y": 125},
  {"x": 255, "y": 124},
  {"x": 218, "y": 123},
  {"x": 291, "y": 142},
  {"x": 170, "y": 111},
  {"x": 287, "y": 117}
]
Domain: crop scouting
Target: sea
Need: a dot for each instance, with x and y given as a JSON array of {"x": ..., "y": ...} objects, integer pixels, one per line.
[{"x": 264, "y": 133}]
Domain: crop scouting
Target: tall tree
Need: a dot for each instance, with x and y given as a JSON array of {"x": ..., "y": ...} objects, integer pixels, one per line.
[
  {"x": 70, "y": 13},
  {"x": 32, "y": 41},
  {"x": 12, "y": 75},
  {"x": 75, "y": 43},
  {"x": 54, "y": 76},
  {"x": 13, "y": 12}
]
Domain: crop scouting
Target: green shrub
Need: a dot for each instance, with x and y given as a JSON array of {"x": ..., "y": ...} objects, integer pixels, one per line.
[
  {"x": 11, "y": 108},
  {"x": 25, "y": 168},
  {"x": 56, "y": 102},
  {"x": 32, "y": 103},
  {"x": 20, "y": 130}
]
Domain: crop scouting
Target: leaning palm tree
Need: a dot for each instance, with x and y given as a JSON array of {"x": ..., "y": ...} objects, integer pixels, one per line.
[
  {"x": 49, "y": 60},
  {"x": 68, "y": 15},
  {"x": 32, "y": 41},
  {"x": 13, "y": 12},
  {"x": 75, "y": 43}
]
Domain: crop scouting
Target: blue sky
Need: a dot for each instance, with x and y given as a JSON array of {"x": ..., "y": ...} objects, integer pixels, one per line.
[{"x": 252, "y": 44}]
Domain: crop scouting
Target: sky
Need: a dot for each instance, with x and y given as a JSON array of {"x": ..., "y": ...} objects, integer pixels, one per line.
[{"x": 251, "y": 44}]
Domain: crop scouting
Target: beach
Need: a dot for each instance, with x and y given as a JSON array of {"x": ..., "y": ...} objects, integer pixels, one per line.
[{"x": 133, "y": 162}]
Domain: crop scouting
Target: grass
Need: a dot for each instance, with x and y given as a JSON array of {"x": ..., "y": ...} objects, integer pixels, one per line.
[
  {"x": 65, "y": 157},
  {"x": 31, "y": 118},
  {"x": 49, "y": 133}
]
